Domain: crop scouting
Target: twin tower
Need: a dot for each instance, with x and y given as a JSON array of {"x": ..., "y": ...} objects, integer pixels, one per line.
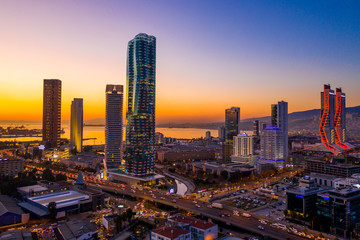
[
  {"x": 140, "y": 116},
  {"x": 333, "y": 120}
]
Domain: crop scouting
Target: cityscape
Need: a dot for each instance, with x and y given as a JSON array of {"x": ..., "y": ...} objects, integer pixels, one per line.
[{"x": 206, "y": 125}]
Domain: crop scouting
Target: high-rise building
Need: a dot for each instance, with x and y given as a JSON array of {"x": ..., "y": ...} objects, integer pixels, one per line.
[
  {"x": 113, "y": 126},
  {"x": 274, "y": 115},
  {"x": 256, "y": 128},
  {"x": 272, "y": 146},
  {"x": 221, "y": 133},
  {"x": 243, "y": 145},
  {"x": 232, "y": 129},
  {"x": 140, "y": 129},
  {"x": 52, "y": 113},
  {"x": 279, "y": 118},
  {"x": 332, "y": 123},
  {"x": 76, "y": 124},
  {"x": 208, "y": 135},
  {"x": 263, "y": 125}
]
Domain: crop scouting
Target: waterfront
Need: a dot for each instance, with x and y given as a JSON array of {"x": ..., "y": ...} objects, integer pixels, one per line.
[{"x": 98, "y": 132}]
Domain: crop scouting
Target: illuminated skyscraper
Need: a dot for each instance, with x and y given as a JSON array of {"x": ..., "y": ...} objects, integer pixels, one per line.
[
  {"x": 76, "y": 124},
  {"x": 256, "y": 128},
  {"x": 243, "y": 145},
  {"x": 274, "y": 115},
  {"x": 232, "y": 129},
  {"x": 52, "y": 113},
  {"x": 140, "y": 128},
  {"x": 113, "y": 126},
  {"x": 332, "y": 122}
]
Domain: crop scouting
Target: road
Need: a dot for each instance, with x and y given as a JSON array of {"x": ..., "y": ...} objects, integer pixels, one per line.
[{"x": 249, "y": 224}]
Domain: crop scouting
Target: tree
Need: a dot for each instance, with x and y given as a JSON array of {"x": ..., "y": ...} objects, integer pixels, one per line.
[
  {"x": 129, "y": 214},
  {"x": 61, "y": 177},
  {"x": 52, "y": 210},
  {"x": 47, "y": 175}
]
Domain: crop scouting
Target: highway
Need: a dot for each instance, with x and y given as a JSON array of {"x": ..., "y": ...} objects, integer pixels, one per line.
[{"x": 249, "y": 224}]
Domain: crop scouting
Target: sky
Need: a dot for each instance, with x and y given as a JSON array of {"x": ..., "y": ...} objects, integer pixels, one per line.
[{"x": 211, "y": 55}]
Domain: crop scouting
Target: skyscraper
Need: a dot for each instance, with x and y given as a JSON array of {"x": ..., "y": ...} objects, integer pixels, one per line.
[
  {"x": 52, "y": 113},
  {"x": 221, "y": 133},
  {"x": 140, "y": 128},
  {"x": 332, "y": 122},
  {"x": 232, "y": 129},
  {"x": 243, "y": 145},
  {"x": 76, "y": 124},
  {"x": 279, "y": 118},
  {"x": 272, "y": 146},
  {"x": 256, "y": 128},
  {"x": 113, "y": 126}
]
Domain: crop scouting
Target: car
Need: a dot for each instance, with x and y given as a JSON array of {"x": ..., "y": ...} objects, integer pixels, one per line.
[
  {"x": 227, "y": 214},
  {"x": 221, "y": 215},
  {"x": 174, "y": 200},
  {"x": 197, "y": 205},
  {"x": 260, "y": 227}
]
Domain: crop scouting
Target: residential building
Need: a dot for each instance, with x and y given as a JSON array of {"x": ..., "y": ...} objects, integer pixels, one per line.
[
  {"x": 208, "y": 135},
  {"x": 243, "y": 145},
  {"x": 113, "y": 126},
  {"x": 279, "y": 118},
  {"x": 169, "y": 233},
  {"x": 52, "y": 113},
  {"x": 199, "y": 229},
  {"x": 232, "y": 128},
  {"x": 76, "y": 229},
  {"x": 76, "y": 124},
  {"x": 221, "y": 133},
  {"x": 11, "y": 167},
  {"x": 256, "y": 128},
  {"x": 140, "y": 128},
  {"x": 272, "y": 146}
]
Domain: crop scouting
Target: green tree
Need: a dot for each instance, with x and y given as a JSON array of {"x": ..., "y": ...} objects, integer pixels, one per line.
[
  {"x": 47, "y": 175},
  {"x": 52, "y": 210}
]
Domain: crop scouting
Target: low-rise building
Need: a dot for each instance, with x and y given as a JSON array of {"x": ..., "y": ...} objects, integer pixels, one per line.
[
  {"x": 199, "y": 229},
  {"x": 334, "y": 169},
  {"x": 169, "y": 233},
  {"x": 339, "y": 210},
  {"x": 73, "y": 230},
  {"x": 10, "y": 212}
]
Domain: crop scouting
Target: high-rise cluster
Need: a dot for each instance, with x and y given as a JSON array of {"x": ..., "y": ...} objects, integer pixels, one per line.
[
  {"x": 140, "y": 129},
  {"x": 333, "y": 121},
  {"x": 52, "y": 113}
]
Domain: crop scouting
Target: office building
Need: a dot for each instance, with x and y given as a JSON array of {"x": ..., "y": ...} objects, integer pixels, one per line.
[
  {"x": 208, "y": 135},
  {"x": 243, "y": 145},
  {"x": 263, "y": 125},
  {"x": 256, "y": 128},
  {"x": 113, "y": 126},
  {"x": 140, "y": 128},
  {"x": 301, "y": 201},
  {"x": 52, "y": 113},
  {"x": 232, "y": 129},
  {"x": 76, "y": 124},
  {"x": 334, "y": 169},
  {"x": 279, "y": 119},
  {"x": 272, "y": 146},
  {"x": 339, "y": 211}
]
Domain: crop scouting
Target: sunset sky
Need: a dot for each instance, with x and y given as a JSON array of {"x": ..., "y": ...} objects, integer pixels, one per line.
[{"x": 211, "y": 55}]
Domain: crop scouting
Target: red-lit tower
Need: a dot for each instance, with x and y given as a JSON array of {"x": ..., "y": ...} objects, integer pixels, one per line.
[
  {"x": 327, "y": 125},
  {"x": 340, "y": 119}
]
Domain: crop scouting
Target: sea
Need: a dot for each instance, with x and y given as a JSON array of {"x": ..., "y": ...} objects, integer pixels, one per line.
[{"x": 95, "y": 135}]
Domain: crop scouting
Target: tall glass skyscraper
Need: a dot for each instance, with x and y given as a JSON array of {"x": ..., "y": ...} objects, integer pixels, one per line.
[
  {"x": 140, "y": 128},
  {"x": 76, "y": 124}
]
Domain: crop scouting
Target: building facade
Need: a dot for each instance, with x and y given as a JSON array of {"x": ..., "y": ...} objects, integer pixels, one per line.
[
  {"x": 11, "y": 167},
  {"x": 256, "y": 128},
  {"x": 243, "y": 145},
  {"x": 279, "y": 118},
  {"x": 232, "y": 129},
  {"x": 52, "y": 113},
  {"x": 272, "y": 146},
  {"x": 76, "y": 124},
  {"x": 113, "y": 126},
  {"x": 140, "y": 128}
]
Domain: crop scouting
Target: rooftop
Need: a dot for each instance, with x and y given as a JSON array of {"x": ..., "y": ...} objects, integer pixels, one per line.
[
  {"x": 32, "y": 188},
  {"x": 62, "y": 199},
  {"x": 8, "y": 204},
  {"x": 170, "y": 232},
  {"x": 75, "y": 229},
  {"x": 192, "y": 221}
]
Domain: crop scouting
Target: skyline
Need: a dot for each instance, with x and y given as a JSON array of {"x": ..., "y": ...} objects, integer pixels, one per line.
[{"x": 210, "y": 56}]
